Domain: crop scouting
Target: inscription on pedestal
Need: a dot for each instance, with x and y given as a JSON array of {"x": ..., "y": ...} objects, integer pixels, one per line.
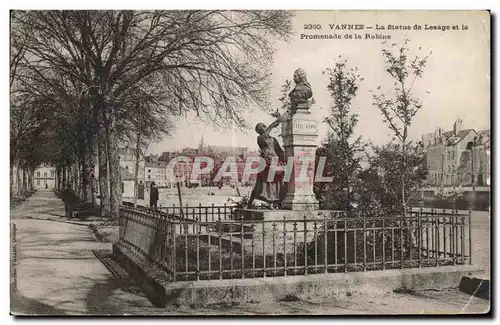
[{"x": 304, "y": 127}]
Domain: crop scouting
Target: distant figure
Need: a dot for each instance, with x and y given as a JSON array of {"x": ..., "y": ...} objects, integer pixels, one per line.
[
  {"x": 69, "y": 199},
  {"x": 46, "y": 186},
  {"x": 154, "y": 196}
]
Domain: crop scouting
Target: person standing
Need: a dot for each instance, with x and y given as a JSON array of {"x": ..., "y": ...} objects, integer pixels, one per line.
[
  {"x": 269, "y": 191},
  {"x": 154, "y": 196},
  {"x": 69, "y": 199}
]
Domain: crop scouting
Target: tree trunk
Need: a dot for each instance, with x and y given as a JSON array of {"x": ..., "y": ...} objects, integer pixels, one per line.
[
  {"x": 64, "y": 178},
  {"x": 11, "y": 179},
  {"x": 103, "y": 169},
  {"x": 136, "y": 171},
  {"x": 114, "y": 166},
  {"x": 74, "y": 170},
  {"x": 30, "y": 179},
  {"x": 58, "y": 178},
  {"x": 18, "y": 180},
  {"x": 91, "y": 163},
  {"x": 84, "y": 172},
  {"x": 25, "y": 184}
]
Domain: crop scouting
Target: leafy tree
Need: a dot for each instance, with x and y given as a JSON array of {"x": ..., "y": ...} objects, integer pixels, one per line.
[
  {"x": 380, "y": 183},
  {"x": 399, "y": 109},
  {"x": 341, "y": 144}
]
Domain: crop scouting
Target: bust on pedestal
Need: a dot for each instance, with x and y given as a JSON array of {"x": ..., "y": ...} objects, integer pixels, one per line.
[{"x": 300, "y": 133}]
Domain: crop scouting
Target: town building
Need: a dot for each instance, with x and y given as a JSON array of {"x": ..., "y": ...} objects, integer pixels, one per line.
[
  {"x": 45, "y": 177},
  {"x": 448, "y": 157},
  {"x": 127, "y": 183}
]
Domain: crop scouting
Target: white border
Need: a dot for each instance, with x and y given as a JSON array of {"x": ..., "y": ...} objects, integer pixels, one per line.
[{"x": 147, "y": 4}]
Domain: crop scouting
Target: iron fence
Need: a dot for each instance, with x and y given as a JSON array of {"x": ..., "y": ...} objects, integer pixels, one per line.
[
  {"x": 194, "y": 247},
  {"x": 202, "y": 212}
]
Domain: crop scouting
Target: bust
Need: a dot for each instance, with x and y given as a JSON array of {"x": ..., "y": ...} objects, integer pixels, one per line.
[{"x": 301, "y": 93}]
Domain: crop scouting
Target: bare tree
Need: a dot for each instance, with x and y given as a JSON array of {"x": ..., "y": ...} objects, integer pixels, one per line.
[{"x": 207, "y": 61}]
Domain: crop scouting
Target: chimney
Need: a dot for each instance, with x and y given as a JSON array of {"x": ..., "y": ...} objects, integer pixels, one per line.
[{"x": 457, "y": 126}]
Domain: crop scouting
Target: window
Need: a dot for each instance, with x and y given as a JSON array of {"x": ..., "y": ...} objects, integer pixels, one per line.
[
  {"x": 149, "y": 170},
  {"x": 45, "y": 181},
  {"x": 38, "y": 181},
  {"x": 52, "y": 174},
  {"x": 38, "y": 175},
  {"x": 45, "y": 175},
  {"x": 149, "y": 177}
]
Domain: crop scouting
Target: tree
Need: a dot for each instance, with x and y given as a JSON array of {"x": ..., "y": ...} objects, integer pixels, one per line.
[
  {"x": 210, "y": 62},
  {"x": 380, "y": 183},
  {"x": 398, "y": 110},
  {"x": 341, "y": 145}
]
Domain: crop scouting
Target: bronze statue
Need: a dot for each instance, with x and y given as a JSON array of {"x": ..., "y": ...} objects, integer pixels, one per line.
[
  {"x": 272, "y": 191},
  {"x": 300, "y": 95}
]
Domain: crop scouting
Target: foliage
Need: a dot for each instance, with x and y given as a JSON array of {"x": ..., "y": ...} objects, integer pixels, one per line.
[
  {"x": 341, "y": 145},
  {"x": 380, "y": 184},
  {"x": 398, "y": 112},
  {"x": 114, "y": 76}
]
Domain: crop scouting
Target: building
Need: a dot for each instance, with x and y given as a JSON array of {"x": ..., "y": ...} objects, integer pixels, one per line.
[
  {"x": 45, "y": 176},
  {"x": 128, "y": 161},
  {"x": 127, "y": 183},
  {"x": 448, "y": 156}
]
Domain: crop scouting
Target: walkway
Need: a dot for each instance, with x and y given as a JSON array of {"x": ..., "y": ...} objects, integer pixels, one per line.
[
  {"x": 58, "y": 273},
  {"x": 57, "y": 270}
]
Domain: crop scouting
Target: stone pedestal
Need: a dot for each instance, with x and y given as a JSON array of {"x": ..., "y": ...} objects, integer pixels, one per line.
[{"x": 300, "y": 133}]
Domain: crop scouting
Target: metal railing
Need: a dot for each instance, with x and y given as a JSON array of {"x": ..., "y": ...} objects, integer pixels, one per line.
[
  {"x": 202, "y": 212},
  {"x": 201, "y": 249}
]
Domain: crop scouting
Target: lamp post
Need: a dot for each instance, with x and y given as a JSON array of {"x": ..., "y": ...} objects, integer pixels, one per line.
[{"x": 470, "y": 146}]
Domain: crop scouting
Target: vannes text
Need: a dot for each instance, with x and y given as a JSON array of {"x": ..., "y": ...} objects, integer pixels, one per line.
[{"x": 336, "y": 26}]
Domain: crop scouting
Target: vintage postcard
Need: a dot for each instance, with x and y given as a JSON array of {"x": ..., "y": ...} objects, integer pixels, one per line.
[{"x": 250, "y": 162}]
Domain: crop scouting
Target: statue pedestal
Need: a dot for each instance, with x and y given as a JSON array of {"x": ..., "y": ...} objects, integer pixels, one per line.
[{"x": 300, "y": 133}]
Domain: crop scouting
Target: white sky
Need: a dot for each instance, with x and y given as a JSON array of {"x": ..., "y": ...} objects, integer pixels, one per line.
[{"x": 457, "y": 75}]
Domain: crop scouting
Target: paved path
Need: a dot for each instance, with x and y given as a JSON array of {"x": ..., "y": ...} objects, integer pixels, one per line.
[{"x": 57, "y": 270}]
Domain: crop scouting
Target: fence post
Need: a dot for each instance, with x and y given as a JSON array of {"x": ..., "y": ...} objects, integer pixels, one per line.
[
  {"x": 197, "y": 222},
  {"x": 325, "y": 254},
  {"x": 420, "y": 250},
  {"x": 174, "y": 252},
  {"x": 345, "y": 244},
  {"x": 364, "y": 245},
  {"x": 470, "y": 238},
  {"x": 383, "y": 243},
  {"x": 305, "y": 246},
  {"x": 284, "y": 245},
  {"x": 401, "y": 241}
]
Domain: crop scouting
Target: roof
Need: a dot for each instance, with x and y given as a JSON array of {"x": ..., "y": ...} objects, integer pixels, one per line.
[
  {"x": 459, "y": 137},
  {"x": 126, "y": 175}
]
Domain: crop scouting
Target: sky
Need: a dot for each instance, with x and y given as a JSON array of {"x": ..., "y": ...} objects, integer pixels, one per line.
[{"x": 455, "y": 83}]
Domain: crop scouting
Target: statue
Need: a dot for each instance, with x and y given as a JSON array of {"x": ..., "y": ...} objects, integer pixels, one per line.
[
  {"x": 300, "y": 95},
  {"x": 271, "y": 192}
]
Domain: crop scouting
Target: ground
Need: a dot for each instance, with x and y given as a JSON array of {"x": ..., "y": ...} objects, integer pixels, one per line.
[{"x": 62, "y": 268}]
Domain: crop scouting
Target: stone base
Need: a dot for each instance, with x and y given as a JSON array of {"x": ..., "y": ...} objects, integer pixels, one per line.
[
  {"x": 300, "y": 203},
  {"x": 279, "y": 231},
  {"x": 162, "y": 292}
]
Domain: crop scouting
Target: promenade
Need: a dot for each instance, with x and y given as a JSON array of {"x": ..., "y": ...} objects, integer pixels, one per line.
[{"x": 59, "y": 273}]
